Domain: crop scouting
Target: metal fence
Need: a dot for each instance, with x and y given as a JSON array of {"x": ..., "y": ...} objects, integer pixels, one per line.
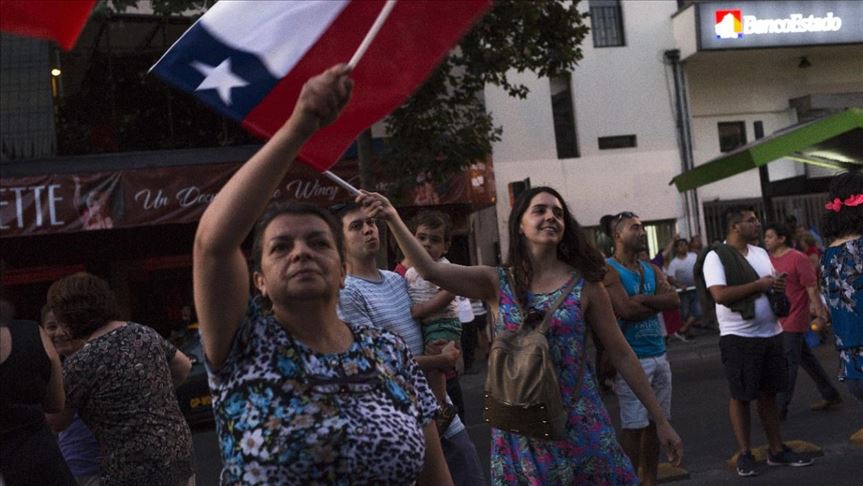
[{"x": 807, "y": 208}]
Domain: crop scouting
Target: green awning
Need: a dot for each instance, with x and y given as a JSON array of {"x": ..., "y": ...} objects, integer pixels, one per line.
[{"x": 835, "y": 141}]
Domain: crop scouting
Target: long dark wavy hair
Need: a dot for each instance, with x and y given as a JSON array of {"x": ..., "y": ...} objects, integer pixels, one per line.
[
  {"x": 849, "y": 219},
  {"x": 574, "y": 248}
]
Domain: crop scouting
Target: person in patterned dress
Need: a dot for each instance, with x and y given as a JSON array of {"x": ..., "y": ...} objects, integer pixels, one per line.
[
  {"x": 300, "y": 396},
  {"x": 122, "y": 384},
  {"x": 547, "y": 251},
  {"x": 842, "y": 277}
]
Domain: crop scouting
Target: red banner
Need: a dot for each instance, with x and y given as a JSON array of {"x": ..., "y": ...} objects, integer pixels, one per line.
[{"x": 64, "y": 203}]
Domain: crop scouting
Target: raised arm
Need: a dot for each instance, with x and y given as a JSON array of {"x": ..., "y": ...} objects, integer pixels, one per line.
[
  {"x": 221, "y": 277},
  {"x": 55, "y": 399},
  {"x": 477, "y": 282},
  {"x": 600, "y": 317}
]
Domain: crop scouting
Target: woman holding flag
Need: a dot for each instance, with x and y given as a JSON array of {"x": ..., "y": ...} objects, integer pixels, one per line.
[
  {"x": 549, "y": 253},
  {"x": 301, "y": 397}
]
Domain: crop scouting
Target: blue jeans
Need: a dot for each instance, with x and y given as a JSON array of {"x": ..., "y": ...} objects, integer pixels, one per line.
[{"x": 462, "y": 460}]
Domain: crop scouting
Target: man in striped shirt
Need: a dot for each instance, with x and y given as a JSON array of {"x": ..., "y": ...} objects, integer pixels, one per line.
[{"x": 380, "y": 298}]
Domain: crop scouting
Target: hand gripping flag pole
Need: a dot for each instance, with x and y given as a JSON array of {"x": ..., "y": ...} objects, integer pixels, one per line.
[{"x": 364, "y": 45}]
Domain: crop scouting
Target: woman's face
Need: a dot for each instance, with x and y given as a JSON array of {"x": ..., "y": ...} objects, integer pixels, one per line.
[
  {"x": 772, "y": 241},
  {"x": 299, "y": 260},
  {"x": 59, "y": 334},
  {"x": 542, "y": 223}
]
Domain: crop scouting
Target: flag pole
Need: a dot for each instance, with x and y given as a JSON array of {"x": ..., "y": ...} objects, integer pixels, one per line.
[
  {"x": 341, "y": 182},
  {"x": 361, "y": 50},
  {"x": 372, "y": 33}
]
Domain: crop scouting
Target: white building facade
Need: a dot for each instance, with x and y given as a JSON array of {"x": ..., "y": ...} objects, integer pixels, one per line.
[{"x": 658, "y": 91}]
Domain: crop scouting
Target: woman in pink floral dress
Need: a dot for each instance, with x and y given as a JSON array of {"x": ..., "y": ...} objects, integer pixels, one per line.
[{"x": 547, "y": 250}]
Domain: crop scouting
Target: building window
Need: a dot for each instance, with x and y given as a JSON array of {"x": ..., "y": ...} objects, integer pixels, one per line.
[
  {"x": 606, "y": 23},
  {"x": 731, "y": 135},
  {"x": 564, "y": 117},
  {"x": 616, "y": 142}
]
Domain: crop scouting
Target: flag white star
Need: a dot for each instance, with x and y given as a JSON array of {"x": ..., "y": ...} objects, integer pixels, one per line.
[{"x": 220, "y": 78}]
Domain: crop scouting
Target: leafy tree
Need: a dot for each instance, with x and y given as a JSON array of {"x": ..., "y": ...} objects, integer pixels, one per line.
[{"x": 444, "y": 126}]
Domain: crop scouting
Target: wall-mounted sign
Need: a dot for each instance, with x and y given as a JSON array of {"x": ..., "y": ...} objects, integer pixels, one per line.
[
  {"x": 739, "y": 25},
  {"x": 67, "y": 203}
]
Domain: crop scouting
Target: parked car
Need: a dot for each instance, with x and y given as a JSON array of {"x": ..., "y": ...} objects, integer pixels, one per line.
[{"x": 194, "y": 394}]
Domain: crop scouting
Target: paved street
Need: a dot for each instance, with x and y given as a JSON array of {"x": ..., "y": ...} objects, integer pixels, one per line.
[{"x": 700, "y": 415}]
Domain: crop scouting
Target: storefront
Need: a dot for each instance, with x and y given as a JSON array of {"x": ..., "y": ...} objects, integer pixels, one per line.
[
  {"x": 131, "y": 218},
  {"x": 754, "y": 68}
]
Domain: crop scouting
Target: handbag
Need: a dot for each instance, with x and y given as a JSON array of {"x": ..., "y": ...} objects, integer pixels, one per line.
[
  {"x": 522, "y": 394},
  {"x": 779, "y": 303}
]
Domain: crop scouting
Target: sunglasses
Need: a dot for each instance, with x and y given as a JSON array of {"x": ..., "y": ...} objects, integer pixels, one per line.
[{"x": 624, "y": 215}]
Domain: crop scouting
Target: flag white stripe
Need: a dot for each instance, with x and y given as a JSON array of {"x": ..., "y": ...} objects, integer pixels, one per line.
[{"x": 278, "y": 32}]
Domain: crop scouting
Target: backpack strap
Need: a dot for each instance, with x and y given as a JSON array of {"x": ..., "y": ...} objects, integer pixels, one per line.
[
  {"x": 563, "y": 295},
  {"x": 543, "y": 326}
]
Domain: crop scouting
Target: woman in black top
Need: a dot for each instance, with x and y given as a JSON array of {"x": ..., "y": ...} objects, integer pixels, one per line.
[{"x": 30, "y": 385}]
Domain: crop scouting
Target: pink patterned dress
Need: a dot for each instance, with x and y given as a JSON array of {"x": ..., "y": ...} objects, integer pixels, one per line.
[{"x": 590, "y": 454}]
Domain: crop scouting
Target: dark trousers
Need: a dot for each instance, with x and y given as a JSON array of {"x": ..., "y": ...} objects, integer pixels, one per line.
[
  {"x": 453, "y": 389},
  {"x": 462, "y": 460},
  {"x": 798, "y": 355},
  {"x": 469, "y": 338}
]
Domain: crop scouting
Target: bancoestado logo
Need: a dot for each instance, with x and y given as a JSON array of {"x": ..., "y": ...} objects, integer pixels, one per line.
[{"x": 732, "y": 24}]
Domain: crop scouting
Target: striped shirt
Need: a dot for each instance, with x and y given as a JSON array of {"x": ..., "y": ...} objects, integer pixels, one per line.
[{"x": 386, "y": 303}]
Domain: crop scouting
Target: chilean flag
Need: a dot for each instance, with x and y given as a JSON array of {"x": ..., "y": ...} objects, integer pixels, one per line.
[
  {"x": 51, "y": 19},
  {"x": 248, "y": 60}
]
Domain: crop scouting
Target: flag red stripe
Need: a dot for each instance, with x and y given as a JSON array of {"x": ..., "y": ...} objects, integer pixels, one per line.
[
  {"x": 52, "y": 19},
  {"x": 412, "y": 42}
]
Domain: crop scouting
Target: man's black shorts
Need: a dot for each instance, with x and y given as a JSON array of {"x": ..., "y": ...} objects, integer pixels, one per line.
[{"x": 753, "y": 365}]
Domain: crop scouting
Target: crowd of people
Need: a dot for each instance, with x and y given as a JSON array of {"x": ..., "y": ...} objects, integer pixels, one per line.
[{"x": 334, "y": 371}]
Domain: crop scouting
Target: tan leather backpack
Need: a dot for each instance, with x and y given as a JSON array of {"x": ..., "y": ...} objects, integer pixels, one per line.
[{"x": 522, "y": 394}]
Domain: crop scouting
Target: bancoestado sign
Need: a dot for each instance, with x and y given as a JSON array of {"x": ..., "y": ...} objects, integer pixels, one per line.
[{"x": 739, "y": 25}]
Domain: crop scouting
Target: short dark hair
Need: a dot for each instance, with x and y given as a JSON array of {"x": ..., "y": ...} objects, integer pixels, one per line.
[
  {"x": 782, "y": 231},
  {"x": 82, "y": 301},
  {"x": 734, "y": 214},
  {"x": 339, "y": 210},
  {"x": 277, "y": 209},
  {"x": 432, "y": 220},
  {"x": 849, "y": 219}
]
